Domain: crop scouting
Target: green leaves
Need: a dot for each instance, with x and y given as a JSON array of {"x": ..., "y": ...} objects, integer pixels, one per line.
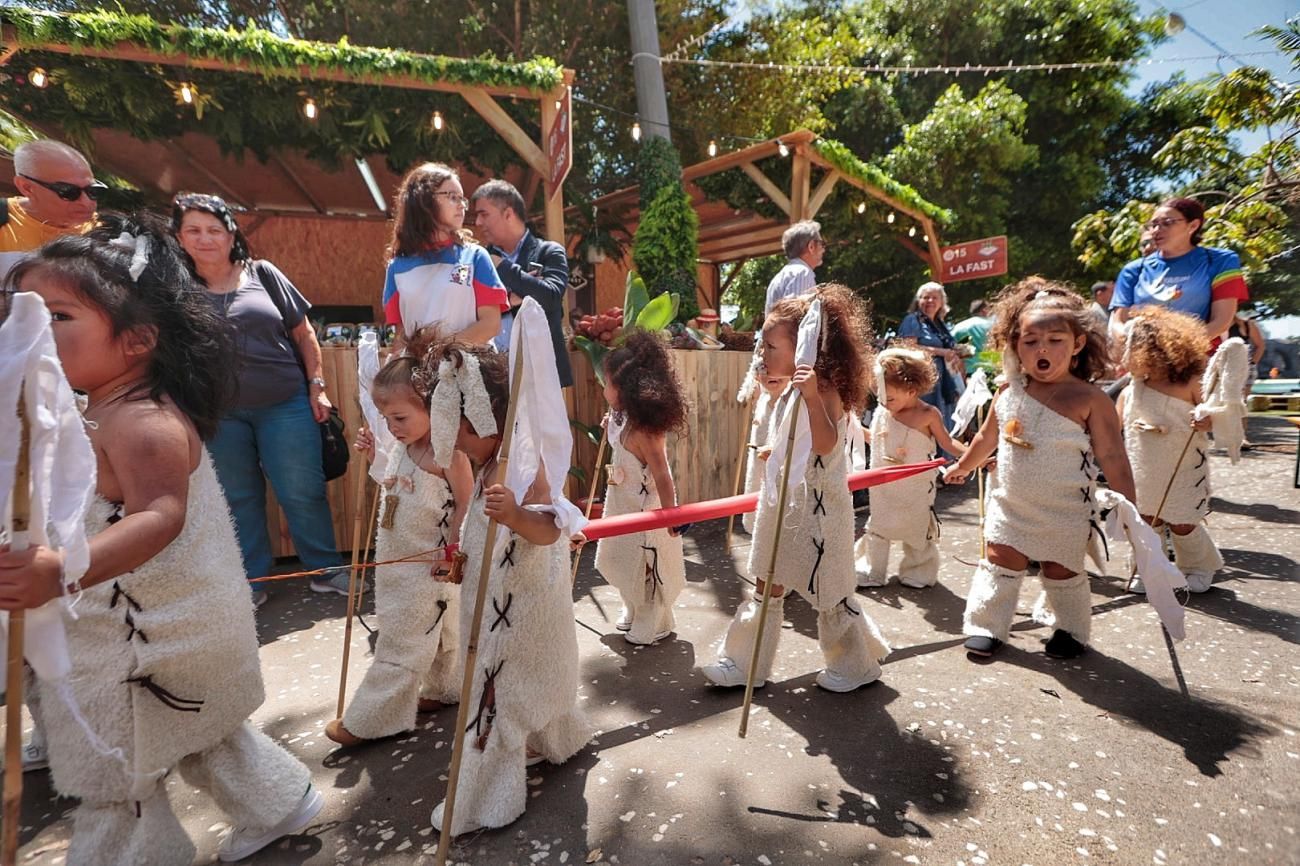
[
  {"x": 635, "y": 297},
  {"x": 659, "y": 313}
]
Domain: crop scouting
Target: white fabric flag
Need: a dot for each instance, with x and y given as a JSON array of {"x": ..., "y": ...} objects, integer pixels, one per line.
[
  {"x": 977, "y": 393},
  {"x": 805, "y": 352},
  {"x": 367, "y": 370},
  {"x": 1160, "y": 577},
  {"x": 62, "y": 464},
  {"x": 1222, "y": 390},
  {"x": 542, "y": 435}
]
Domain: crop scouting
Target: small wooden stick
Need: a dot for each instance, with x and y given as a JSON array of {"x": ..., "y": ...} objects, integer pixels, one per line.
[
  {"x": 10, "y": 823},
  {"x": 979, "y": 485},
  {"x": 476, "y": 622},
  {"x": 367, "y": 546},
  {"x": 745, "y": 430},
  {"x": 1155, "y": 520},
  {"x": 771, "y": 565},
  {"x": 359, "y": 513},
  {"x": 591, "y": 495}
]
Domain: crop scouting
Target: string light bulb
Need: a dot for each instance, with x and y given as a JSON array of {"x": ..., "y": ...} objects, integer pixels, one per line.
[
  {"x": 911, "y": 232},
  {"x": 862, "y": 207},
  {"x": 925, "y": 238},
  {"x": 713, "y": 147},
  {"x": 187, "y": 93},
  {"x": 781, "y": 148},
  {"x": 890, "y": 219},
  {"x": 636, "y": 129},
  {"x": 309, "y": 109},
  {"x": 38, "y": 78},
  {"x": 437, "y": 121}
]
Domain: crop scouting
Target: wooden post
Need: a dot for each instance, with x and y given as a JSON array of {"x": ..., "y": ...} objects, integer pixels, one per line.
[
  {"x": 800, "y": 180},
  {"x": 359, "y": 515},
  {"x": 771, "y": 565},
  {"x": 10, "y": 817},
  {"x": 476, "y": 623}
]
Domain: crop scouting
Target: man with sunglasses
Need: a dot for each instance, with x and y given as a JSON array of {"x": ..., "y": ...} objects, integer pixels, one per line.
[{"x": 57, "y": 193}]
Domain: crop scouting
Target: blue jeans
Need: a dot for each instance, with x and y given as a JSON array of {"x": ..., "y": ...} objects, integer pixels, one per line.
[{"x": 282, "y": 440}]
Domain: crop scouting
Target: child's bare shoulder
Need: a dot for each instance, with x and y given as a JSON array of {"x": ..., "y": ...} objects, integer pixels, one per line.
[{"x": 145, "y": 423}]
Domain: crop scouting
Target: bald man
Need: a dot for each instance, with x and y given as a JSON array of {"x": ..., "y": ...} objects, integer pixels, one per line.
[{"x": 57, "y": 193}]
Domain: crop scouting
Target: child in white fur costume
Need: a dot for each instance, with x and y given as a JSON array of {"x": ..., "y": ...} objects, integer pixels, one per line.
[
  {"x": 523, "y": 706},
  {"x": 904, "y": 430},
  {"x": 647, "y": 568},
  {"x": 760, "y": 429},
  {"x": 417, "y": 667},
  {"x": 815, "y": 554},
  {"x": 1165, "y": 433},
  {"x": 165, "y": 684},
  {"x": 1049, "y": 425}
]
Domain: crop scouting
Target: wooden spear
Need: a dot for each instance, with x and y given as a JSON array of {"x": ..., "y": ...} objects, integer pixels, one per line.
[
  {"x": 591, "y": 495},
  {"x": 359, "y": 514},
  {"x": 746, "y": 430},
  {"x": 13, "y": 773}
]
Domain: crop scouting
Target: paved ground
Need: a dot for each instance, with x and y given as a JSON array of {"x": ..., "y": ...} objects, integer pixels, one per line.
[{"x": 1131, "y": 754}]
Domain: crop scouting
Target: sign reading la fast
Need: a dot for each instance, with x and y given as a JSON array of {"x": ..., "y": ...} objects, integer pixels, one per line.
[{"x": 973, "y": 260}]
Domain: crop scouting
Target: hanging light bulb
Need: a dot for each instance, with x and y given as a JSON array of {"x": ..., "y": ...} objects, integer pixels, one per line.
[
  {"x": 713, "y": 147},
  {"x": 187, "y": 93},
  {"x": 862, "y": 207},
  {"x": 309, "y": 109},
  {"x": 636, "y": 129},
  {"x": 781, "y": 148},
  {"x": 911, "y": 232},
  {"x": 890, "y": 219},
  {"x": 437, "y": 121},
  {"x": 925, "y": 238},
  {"x": 38, "y": 78}
]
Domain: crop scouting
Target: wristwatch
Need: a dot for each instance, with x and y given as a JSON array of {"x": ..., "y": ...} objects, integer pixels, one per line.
[{"x": 317, "y": 381}]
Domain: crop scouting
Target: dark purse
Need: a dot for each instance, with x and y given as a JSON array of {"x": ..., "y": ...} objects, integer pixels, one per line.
[{"x": 334, "y": 449}]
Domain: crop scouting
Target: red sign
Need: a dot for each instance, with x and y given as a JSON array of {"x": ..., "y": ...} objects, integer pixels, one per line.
[
  {"x": 973, "y": 260},
  {"x": 559, "y": 143}
]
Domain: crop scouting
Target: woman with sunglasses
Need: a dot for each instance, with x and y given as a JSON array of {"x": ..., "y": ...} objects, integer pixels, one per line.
[
  {"x": 1180, "y": 274},
  {"x": 56, "y": 196},
  {"x": 436, "y": 275},
  {"x": 272, "y": 431}
]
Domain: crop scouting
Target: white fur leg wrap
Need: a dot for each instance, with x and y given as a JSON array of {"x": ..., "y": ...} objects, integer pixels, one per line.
[
  {"x": 738, "y": 645},
  {"x": 991, "y": 604},
  {"x": 1196, "y": 551},
  {"x": 114, "y": 832},
  {"x": 851, "y": 643},
  {"x": 871, "y": 557},
  {"x": 920, "y": 566},
  {"x": 1067, "y": 605}
]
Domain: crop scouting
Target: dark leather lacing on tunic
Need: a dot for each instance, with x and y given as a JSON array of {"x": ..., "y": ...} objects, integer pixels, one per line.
[
  {"x": 508, "y": 557},
  {"x": 442, "y": 609},
  {"x": 502, "y": 612},
  {"x": 169, "y": 700},
  {"x": 481, "y": 724},
  {"x": 652, "y": 571},
  {"x": 820, "y": 545}
]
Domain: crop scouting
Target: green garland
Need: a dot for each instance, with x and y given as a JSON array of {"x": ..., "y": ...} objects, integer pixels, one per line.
[
  {"x": 849, "y": 165},
  {"x": 273, "y": 55}
]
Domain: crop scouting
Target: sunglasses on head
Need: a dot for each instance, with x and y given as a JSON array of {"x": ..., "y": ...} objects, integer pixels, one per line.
[{"x": 70, "y": 191}]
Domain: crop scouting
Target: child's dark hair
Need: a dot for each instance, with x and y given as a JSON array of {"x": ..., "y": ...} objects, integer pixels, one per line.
[
  {"x": 1060, "y": 304},
  {"x": 642, "y": 371},
  {"x": 845, "y": 355},
  {"x": 408, "y": 370},
  {"x": 1166, "y": 345},
  {"x": 906, "y": 366},
  {"x": 193, "y": 347},
  {"x": 415, "y": 210},
  {"x": 494, "y": 365}
]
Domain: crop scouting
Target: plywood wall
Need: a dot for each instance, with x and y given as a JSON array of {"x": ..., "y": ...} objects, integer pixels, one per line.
[{"x": 330, "y": 260}]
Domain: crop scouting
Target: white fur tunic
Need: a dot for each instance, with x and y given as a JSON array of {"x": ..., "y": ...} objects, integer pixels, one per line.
[
  {"x": 902, "y": 510},
  {"x": 1156, "y": 427},
  {"x": 1041, "y": 499},
  {"x": 759, "y": 431},
  {"x": 164, "y": 658},
  {"x": 815, "y": 556},
  {"x": 640, "y": 562}
]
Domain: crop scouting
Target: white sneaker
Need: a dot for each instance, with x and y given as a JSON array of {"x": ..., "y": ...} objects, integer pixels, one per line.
[
  {"x": 1138, "y": 586},
  {"x": 835, "y": 682},
  {"x": 36, "y": 756},
  {"x": 243, "y": 842},
  {"x": 337, "y": 584},
  {"x": 726, "y": 673},
  {"x": 867, "y": 580},
  {"x": 624, "y": 621},
  {"x": 1199, "y": 581},
  {"x": 915, "y": 583},
  {"x": 654, "y": 640}
]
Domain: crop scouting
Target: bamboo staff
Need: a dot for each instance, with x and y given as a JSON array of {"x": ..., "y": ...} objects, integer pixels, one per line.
[
  {"x": 771, "y": 565},
  {"x": 13, "y": 773},
  {"x": 979, "y": 483},
  {"x": 359, "y": 516},
  {"x": 476, "y": 622},
  {"x": 745, "y": 445},
  {"x": 1155, "y": 520},
  {"x": 591, "y": 495},
  {"x": 366, "y": 549}
]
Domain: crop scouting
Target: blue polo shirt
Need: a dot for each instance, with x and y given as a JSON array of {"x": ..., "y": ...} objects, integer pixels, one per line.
[{"x": 1188, "y": 283}]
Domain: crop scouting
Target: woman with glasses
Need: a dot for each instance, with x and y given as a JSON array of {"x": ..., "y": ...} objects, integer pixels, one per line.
[
  {"x": 1180, "y": 274},
  {"x": 273, "y": 429},
  {"x": 436, "y": 275}
]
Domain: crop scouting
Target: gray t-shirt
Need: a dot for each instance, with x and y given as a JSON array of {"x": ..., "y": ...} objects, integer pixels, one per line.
[{"x": 263, "y": 310}]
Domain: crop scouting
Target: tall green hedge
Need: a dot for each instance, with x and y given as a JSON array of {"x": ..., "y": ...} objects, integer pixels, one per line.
[{"x": 665, "y": 249}]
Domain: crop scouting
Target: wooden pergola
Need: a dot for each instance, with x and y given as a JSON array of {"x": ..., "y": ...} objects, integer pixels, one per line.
[{"x": 290, "y": 183}]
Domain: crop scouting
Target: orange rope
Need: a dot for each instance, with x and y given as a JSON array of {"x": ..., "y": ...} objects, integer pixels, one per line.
[{"x": 422, "y": 556}]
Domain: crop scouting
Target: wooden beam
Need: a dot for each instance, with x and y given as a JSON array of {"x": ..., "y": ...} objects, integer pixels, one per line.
[
  {"x": 530, "y": 187},
  {"x": 211, "y": 176},
  {"x": 822, "y": 192},
  {"x": 131, "y": 52},
  {"x": 936, "y": 258},
  {"x": 505, "y": 126},
  {"x": 766, "y": 235},
  {"x": 870, "y": 190},
  {"x": 297, "y": 182},
  {"x": 765, "y": 184},
  {"x": 553, "y": 202},
  {"x": 737, "y": 228},
  {"x": 9, "y": 51},
  {"x": 800, "y": 178},
  {"x": 749, "y": 154},
  {"x": 916, "y": 250}
]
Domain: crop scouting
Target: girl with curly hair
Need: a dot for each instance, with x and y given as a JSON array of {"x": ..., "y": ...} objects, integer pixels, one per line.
[
  {"x": 815, "y": 555},
  {"x": 1051, "y": 427},
  {"x": 416, "y": 667},
  {"x": 646, "y": 402},
  {"x": 163, "y": 644},
  {"x": 1166, "y": 354},
  {"x": 904, "y": 429}
]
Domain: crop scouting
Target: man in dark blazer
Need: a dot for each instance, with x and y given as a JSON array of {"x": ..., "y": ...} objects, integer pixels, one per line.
[{"x": 529, "y": 266}]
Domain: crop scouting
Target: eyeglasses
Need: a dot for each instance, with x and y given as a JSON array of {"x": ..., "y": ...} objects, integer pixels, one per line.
[
  {"x": 70, "y": 191},
  {"x": 454, "y": 198},
  {"x": 1152, "y": 225}
]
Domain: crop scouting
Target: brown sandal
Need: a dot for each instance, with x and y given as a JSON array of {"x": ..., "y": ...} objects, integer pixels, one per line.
[
  {"x": 428, "y": 705},
  {"x": 341, "y": 735}
]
